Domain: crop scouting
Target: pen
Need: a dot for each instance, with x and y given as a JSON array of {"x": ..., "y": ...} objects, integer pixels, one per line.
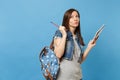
[{"x": 55, "y": 24}]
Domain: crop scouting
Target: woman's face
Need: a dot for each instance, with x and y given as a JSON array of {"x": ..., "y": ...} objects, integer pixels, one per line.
[{"x": 74, "y": 20}]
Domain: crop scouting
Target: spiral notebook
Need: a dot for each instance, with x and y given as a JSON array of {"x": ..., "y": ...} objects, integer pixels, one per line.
[{"x": 97, "y": 34}]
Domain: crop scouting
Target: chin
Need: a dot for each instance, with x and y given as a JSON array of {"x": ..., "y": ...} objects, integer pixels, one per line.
[{"x": 75, "y": 25}]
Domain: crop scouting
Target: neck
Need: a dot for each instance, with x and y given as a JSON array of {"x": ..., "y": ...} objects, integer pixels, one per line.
[{"x": 72, "y": 30}]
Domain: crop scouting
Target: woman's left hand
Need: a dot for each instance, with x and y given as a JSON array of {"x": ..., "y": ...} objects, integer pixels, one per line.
[{"x": 91, "y": 44}]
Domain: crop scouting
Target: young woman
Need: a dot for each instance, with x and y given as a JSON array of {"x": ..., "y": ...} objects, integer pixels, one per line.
[{"x": 68, "y": 46}]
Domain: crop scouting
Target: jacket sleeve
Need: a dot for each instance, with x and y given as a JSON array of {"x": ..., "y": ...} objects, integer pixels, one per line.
[{"x": 57, "y": 34}]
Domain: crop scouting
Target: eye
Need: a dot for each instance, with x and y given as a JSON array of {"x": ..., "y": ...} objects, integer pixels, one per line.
[
  {"x": 71, "y": 16},
  {"x": 77, "y": 16}
]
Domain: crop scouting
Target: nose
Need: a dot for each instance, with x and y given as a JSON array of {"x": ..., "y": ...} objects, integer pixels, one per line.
[{"x": 75, "y": 18}]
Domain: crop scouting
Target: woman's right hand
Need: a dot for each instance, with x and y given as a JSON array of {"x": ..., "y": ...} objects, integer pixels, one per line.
[{"x": 63, "y": 31}]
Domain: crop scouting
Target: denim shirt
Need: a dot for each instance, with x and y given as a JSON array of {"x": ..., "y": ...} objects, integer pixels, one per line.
[{"x": 69, "y": 47}]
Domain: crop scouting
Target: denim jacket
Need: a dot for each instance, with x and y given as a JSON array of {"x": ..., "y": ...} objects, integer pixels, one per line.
[{"x": 69, "y": 47}]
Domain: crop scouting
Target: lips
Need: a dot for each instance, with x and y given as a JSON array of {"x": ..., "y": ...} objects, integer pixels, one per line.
[{"x": 76, "y": 22}]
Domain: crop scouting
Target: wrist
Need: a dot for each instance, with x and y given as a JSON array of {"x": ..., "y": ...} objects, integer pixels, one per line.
[
  {"x": 89, "y": 47},
  {"x": 64, "y": 36}
]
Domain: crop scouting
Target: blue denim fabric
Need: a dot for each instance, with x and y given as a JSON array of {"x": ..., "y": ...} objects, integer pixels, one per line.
[{"x": 69, "y": 48}]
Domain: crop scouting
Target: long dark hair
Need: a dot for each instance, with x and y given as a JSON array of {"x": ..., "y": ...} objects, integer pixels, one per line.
[{"x": 65, "y": 23}]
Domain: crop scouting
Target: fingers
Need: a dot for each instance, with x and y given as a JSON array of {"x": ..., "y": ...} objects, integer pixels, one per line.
[
  {"x": 63, "y": 30},
  {"x": 91, "y": 43},
  {"x": 95, "y": 39}
]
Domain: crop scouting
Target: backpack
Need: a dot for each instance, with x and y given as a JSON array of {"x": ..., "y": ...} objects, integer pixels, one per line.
[{"x": 49, "y": 63}]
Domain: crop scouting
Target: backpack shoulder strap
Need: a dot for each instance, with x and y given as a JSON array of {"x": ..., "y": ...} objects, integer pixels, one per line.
[{"x": 51, "y": 45}]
